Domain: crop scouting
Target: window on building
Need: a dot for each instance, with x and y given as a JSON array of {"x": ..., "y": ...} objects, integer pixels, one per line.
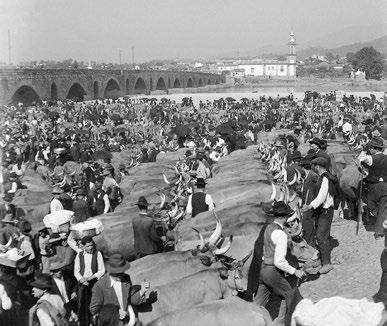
[
  {"x": 252, "y": 70},
  {"x": 282, "y": 69}
]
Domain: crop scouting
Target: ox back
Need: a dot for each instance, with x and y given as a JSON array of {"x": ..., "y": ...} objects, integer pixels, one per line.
[{"x": 189, "y": 291}]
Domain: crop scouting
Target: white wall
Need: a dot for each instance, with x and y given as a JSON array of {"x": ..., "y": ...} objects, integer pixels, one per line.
[{"x": 252, "y": 70}]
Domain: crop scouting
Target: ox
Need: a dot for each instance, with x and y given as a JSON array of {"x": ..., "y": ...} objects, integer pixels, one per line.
[
  {"x": 204, "y": 286},
  {"x": 225, "y": 312}
]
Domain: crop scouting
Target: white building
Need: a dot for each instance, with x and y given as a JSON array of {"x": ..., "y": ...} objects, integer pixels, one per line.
[{"x": 268, "y": 68}]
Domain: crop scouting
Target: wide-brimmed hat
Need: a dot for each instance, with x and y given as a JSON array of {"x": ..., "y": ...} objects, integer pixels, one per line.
[
  {"x": 280, "y": 209},
  {"x": 315, "y": 141},
  {"x": 43, "y": 282},
  {"x": 142, "y": 201},
  {"x": 376, "y": 143},
  {"x": 24, "y": 226},
  {"x": 81, "y": 192},
  {"x": 55, "y": 237},
  {"x": 200, "y": 183},
  {"x": 57, "y": 190},
  {"x": 117, "y": 264},
  {"x": 56, "y": 264},
  {"x": 321, "y": 161}
]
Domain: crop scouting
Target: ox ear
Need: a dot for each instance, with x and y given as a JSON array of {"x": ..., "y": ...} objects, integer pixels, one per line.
[{"x": 206, "y": 261}]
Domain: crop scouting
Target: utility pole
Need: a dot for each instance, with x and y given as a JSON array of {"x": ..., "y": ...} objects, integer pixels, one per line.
[
  {"x": 133, "y": 55},
  {"x": 120, "y": 55},
  {"x": 9, "y": 46}
]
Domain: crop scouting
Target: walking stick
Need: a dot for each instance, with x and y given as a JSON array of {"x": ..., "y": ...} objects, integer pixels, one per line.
[{"x": 360, "y": 207}]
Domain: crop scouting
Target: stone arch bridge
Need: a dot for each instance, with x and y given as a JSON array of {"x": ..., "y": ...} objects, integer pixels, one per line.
[{"x": 28, "y": 85}]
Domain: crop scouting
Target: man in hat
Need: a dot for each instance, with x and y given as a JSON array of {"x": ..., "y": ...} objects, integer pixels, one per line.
[
  {"x": 308, "y": 193},
  {"x": 200, "y": 166},
  {"x": 318, "y": 147},
  {"x": 88, "y": 268},
  {"x": 49, "y": 309},
  {"x": 376, "y": 161},
  {"x": 147, "y": 240},
  {"x": 216, "y": 154},
  {"x": 199, "y": 201},
  {"x": 270, "y": 257},
  {"x": 323, "y": 205},
  {"x": 80, "y": 207},
  {"x": 114, "y": 294},
  {"x": 7, "y": 206},
  {"x": 65, "y": 285},
  {"x": 60, "y": 249},
  {"x": 41, "y": 239},
  {"x": 55, "y": 204},
  {"x": 112, "y": 189},
  {"x": 101, "y": 202},
  {"x": 65, "y": 197}
]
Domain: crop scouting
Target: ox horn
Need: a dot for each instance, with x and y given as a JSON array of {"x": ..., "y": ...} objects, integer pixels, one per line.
[
  {"x": 163, "y": 198},
  {"x": 131, "y": 162},
  {"x": 285, "y": 174},
  {"x": 218, "y": 231},
  {"x": 9, "y": 242},
  {"x": 298, "y": 175},
  {"x": 282, "y": 195},
  {"x": 293, "y": 197},
  {"x": 294, "y": 179},
  {"x": 174, "y": 211},
  {"x": 222, "y": 251},
  {"x": 278, "y": 175},
  {"x": 244, "y": 260},
  {"x": 286, "y": 199},
  {"x": 201, "y": 246},
  {"x": 274, "y": 192},
  {"x": 166, "y": 179},
  {"x": 176, "y": 170}
]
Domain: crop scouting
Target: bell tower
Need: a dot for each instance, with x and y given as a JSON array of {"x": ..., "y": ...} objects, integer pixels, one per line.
[{"x": 292, "y": 56}]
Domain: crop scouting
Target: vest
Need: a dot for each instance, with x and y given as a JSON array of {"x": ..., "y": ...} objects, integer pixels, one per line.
[
  {"x": 99, "y": 205},
  {"x": 94, "y": 263},
  {"x": 378, "y": 169},
  {"x": 199, "y": 203},
  {"x": 268, "y": 244}
]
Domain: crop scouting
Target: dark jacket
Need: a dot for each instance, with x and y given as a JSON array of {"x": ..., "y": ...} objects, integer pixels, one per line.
[
  {"x": 146, "y": 240},
  {"x": 81, "y": 210},
  {"x": 309, "y": 187},
  {"x": 67, "y": 201},
  {"x": 104, "y": 295}
]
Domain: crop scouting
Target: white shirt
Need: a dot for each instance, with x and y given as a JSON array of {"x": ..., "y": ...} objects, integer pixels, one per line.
[
  {"x": 88, "y": 273},
  {"x": 55, "y": 205},
  {"x": 56, "y": 301},
  {"x": 208, "y": 200},
  {"x": 62, "y": 288},
  {"x": 347, "y": 127},
  {"x": 117, "y": 286},
  {"x": 5, "y": 301},
  {"x": 323, "y": 198},
  {"x": 280, "y": 239}
]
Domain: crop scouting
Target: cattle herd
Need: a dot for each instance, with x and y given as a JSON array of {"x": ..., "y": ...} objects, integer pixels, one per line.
[{"x": 201, "y": 277}]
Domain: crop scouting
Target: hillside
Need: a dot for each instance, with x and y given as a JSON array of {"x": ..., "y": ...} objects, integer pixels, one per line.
[{"x": 380, "y": 44}]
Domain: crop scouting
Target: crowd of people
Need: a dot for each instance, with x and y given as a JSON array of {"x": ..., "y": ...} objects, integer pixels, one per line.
[{"x": 71, "y": 145}]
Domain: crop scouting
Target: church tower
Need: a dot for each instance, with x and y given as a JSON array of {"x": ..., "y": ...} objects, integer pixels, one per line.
[{"x": 292, "y": 56}]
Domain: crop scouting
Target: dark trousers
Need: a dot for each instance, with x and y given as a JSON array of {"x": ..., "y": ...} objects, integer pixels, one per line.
[
  {"x": 309, "y": 227},
  {"x": 323, "y": 232},
  {"x": 377, "y": 203},
  {"x": 272, "y": 280},
  {"x": 381, "y": 296},
  {"x": 84, "y": 298}
]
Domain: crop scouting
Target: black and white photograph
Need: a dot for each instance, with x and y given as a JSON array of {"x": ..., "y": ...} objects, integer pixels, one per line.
[{"x": 193, "y": 163}]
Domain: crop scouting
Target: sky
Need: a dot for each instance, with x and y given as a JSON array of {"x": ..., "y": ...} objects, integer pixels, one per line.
[{"x": 96, "y": 30}]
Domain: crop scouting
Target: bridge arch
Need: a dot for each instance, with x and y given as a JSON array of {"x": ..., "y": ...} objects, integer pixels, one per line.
[
  {"x": 25, "y": 94},
  {"x": 190, "y": 83},
  {"x": 176, "y": 83},
  {"x": 53, "y": 92},
  {"x": 112, "y": 89},
  {"x": 209, "y": 81},
  {"x": 140, "y": 86},
  {"x": 216, "y": 81},
  {"x": 161, "y": 84},
  {"x": 200, "y": 84},
  {"x": 76, "y": 92}
]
